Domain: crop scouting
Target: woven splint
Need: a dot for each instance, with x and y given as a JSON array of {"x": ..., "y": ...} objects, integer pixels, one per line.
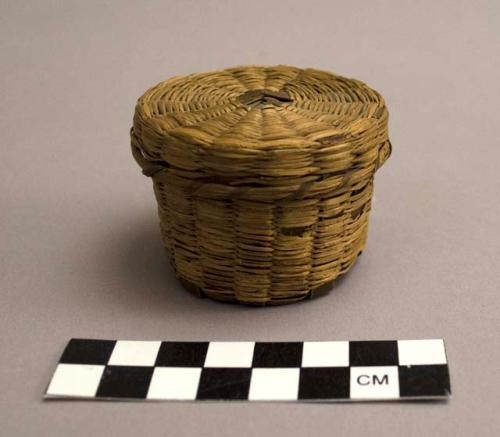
[{"x": 263, "y": 177}]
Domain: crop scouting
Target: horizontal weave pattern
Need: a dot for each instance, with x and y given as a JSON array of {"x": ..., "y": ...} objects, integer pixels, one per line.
[{"x": 263, "y": 177}]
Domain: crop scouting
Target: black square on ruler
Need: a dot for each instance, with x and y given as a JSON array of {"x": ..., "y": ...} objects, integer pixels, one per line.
[
  {"x": 182, "y": 354},
  {"x": 428, "y": 380},
  {"x": 324, "y": 383},
  {"x": 373, "y": 353},
  {"x": 224, "y": 383},
  {"x": 130, "y": 382},
  {"x": 284, "y": 354},
  {"x": 81, "y": 351}
]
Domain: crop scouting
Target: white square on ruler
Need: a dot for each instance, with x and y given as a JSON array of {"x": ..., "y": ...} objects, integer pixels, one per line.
[
  {"x": 174, "y": 383},
  {"x": 325, "y": 354},
  {"x": 274, "y": 384},
  {"x": 134, "y": 353},
  {"x": 415, "y": 352},
  {"x": 374, "y": 382},
  {"x": 79, "y": 380},
  {"x": 230, "y": 354}
]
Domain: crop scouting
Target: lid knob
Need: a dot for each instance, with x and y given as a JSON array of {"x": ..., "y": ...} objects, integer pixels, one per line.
[{"x": 265, "y": 96}]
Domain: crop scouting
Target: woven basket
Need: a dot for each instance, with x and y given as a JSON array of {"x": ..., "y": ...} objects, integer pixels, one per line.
[{"x": 263, "y": 177}]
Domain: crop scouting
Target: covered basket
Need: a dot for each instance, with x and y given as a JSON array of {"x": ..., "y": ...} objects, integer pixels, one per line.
[{"x": 263, "y": 177}]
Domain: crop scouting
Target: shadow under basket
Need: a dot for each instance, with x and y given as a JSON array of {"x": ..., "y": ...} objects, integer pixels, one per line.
[{"x": 263, "y": 177}]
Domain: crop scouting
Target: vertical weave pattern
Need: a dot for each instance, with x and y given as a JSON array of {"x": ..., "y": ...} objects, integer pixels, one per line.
[{"x": 263, "y": 177}]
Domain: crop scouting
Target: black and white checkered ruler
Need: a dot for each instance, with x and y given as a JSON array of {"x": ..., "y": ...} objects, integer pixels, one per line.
[{"x": 254, "y": 371}]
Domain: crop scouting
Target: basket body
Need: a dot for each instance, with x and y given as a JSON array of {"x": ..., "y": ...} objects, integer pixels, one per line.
[{"x": 263, "y": 177}]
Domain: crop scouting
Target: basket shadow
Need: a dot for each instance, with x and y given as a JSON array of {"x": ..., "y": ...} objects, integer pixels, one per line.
[{"x": 138, "y": 269}]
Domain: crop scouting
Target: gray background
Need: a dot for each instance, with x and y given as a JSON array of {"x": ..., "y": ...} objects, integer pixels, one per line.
[{"x": 80, "y": 249}]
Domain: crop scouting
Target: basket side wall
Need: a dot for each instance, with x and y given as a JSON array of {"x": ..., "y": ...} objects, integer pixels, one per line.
[{"x": 236, "y": 248}]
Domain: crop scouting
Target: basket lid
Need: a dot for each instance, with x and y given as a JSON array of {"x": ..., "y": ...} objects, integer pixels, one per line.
[{"x": 267, "y": 121}]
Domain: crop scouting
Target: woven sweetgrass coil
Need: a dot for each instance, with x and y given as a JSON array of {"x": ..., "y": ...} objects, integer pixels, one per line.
[{"x": 263, "y": 177}]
